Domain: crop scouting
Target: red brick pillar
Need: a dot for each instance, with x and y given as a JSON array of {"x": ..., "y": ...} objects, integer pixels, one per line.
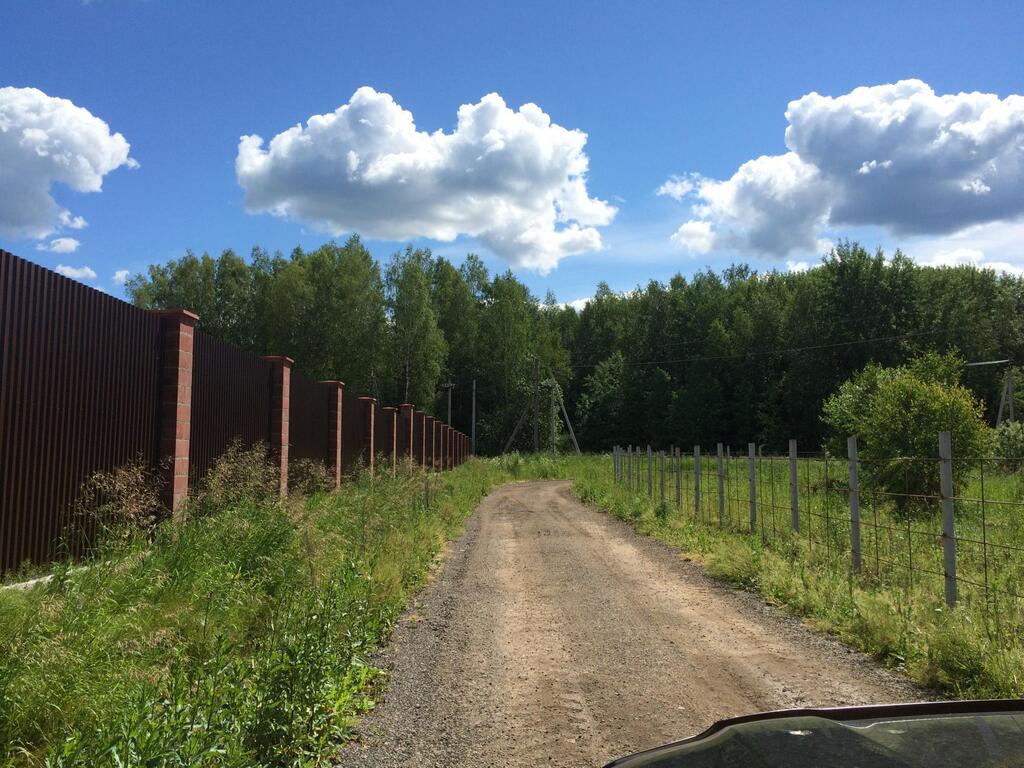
[
  {"x": 369, "y": 449},
  {"x": 390, "y": 416},
  {"x": 280, "y": 388},
  {"x": 335, "y": 394},
  {"x": 438, "y": 426},
  {"x": 177, "y": 328},
  {"x": 420, "y": 434},
  {"x": 406, "y": 424}
]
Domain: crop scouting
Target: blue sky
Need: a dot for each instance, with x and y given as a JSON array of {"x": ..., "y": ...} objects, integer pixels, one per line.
[{"x": 659, "y": 89}]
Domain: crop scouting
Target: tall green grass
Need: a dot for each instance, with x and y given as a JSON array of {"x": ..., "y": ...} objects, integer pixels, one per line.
[
  {"x": 890, "y": 611},
  {"x": 239, "y": 636}
]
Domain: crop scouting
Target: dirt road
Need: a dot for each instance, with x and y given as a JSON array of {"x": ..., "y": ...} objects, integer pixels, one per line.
[{"x": 554, "y": 635}]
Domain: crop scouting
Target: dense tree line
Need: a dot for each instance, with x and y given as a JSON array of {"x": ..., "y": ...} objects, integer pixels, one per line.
[{"x": 733, "y": 357}]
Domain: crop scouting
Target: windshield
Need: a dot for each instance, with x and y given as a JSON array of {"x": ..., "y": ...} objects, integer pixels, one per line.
[{"x": 915, "y": 740}]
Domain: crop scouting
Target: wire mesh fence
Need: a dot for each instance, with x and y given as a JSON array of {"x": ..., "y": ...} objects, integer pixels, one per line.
[{"x": 943, "y": 529}]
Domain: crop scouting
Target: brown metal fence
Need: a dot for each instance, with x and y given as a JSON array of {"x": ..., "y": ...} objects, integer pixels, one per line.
[
  {"x": 89, "y": 383},
  {"x": 79, "y": 393},
  {"x": 230, "y": 402},
  {"x": 308, "y": 432},
  {"x": 353, "y": 433}
]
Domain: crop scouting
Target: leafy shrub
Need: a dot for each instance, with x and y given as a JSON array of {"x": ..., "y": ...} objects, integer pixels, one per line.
[
  {"x": 1010, "y": 439},
  {"x": 897, "y": 415}
]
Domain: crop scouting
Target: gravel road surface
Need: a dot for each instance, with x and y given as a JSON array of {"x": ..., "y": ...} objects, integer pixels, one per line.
[{"x": 555, "y": 635}]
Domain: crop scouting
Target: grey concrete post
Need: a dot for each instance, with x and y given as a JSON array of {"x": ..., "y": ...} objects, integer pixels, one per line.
[
  {"x": 650, "y": 471},
  {"x": 721, "y": 486},
  {"x": 752, "y": 476},
  {"x": 794, "y": 496},
  {"x": 948, "y": 528},
  {"x": 661, "y": 474},
  {"x": 679, "y": 476},
  {"x": 696, "y": 480},
  {"x": 851, "y": 452}
]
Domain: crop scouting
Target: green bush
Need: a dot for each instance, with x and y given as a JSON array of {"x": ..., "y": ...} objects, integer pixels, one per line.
[
  {"x": 897, "y": 415},
  {"x": 1010, "y": 439}
]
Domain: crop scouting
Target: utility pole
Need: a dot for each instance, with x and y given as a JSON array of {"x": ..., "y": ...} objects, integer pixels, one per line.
[
  {"x": 472, "y": 428},
  {"x": 552, "y": 416},
  {"x": 449, "y": 386}
]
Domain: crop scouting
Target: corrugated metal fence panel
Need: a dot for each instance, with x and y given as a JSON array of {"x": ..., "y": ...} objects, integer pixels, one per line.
[
  {"x": 308, "y": 424},
  {"x": 402, "y": 435},
  {"x": 382, "y": 431},
  {"x": 230, "y": 401},
  {"x": 79, "y": 394},
  {"x": 353, "y": 431}
]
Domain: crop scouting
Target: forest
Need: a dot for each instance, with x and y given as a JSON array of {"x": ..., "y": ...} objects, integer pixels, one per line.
[{"x": 740, "y": 356}]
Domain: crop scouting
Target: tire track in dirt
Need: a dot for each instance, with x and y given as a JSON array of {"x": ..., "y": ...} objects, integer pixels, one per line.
[{"x": 555, "y": 634}]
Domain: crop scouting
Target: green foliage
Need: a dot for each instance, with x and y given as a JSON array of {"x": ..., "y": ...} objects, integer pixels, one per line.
[
  {"x": 973, "y": 651},
  {"x": 735, "y": 356},
  {"x": 1010, "y": 439},
  {"x": 236, "y": 635},
  {"x": 416, "y": 344},
  {"x": 897, "y": 415}
]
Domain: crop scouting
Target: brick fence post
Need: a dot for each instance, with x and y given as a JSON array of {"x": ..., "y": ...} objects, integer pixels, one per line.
[
  {"x": 177, "y": 327},
  {"x": 369, "y": 449},
  {"x": 335, "y": 394},
  {"x": 406, "y": 424},
  {"x": 390, "y": 417},
  {"x": 280, "y": 406}
]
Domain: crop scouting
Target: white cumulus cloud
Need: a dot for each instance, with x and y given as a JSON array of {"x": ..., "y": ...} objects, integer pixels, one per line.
[
  {"x": 512, "y": 178},
  {"x": 973, "y": 257},
  {"x": 898, "y": 156},
  {"x": 60, "y": 245},
  {"x": 121, "y": 276},
  {"x": 77, "y": 273},
  {"x": 46, "y": 141}
]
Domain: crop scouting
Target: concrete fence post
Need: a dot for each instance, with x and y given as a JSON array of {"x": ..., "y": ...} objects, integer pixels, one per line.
[
  {"x": 650, "y": 471},
  {"x": 280, "y": 406},
  {"x": 794, "y": 495},
  {"x": 948, "y": 527},
  {"x": 679, "y": 477},
  {"x": 752, "y": 478},
  {"x": 177, "y": 330},
  {"x": 851, "y": 453},
  {"x": 696, "y": 480},
  {"x": 369, "y": 446},
  {"x": 335, "y": 396},
  {"x": 661, "y": 474},
  {"x": 721, "y": 486}
]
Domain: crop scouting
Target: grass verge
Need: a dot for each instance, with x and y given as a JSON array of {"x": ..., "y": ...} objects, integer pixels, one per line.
[
  {"x": 905, "y": 626},
  {"x": 239, "y": 637}
]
